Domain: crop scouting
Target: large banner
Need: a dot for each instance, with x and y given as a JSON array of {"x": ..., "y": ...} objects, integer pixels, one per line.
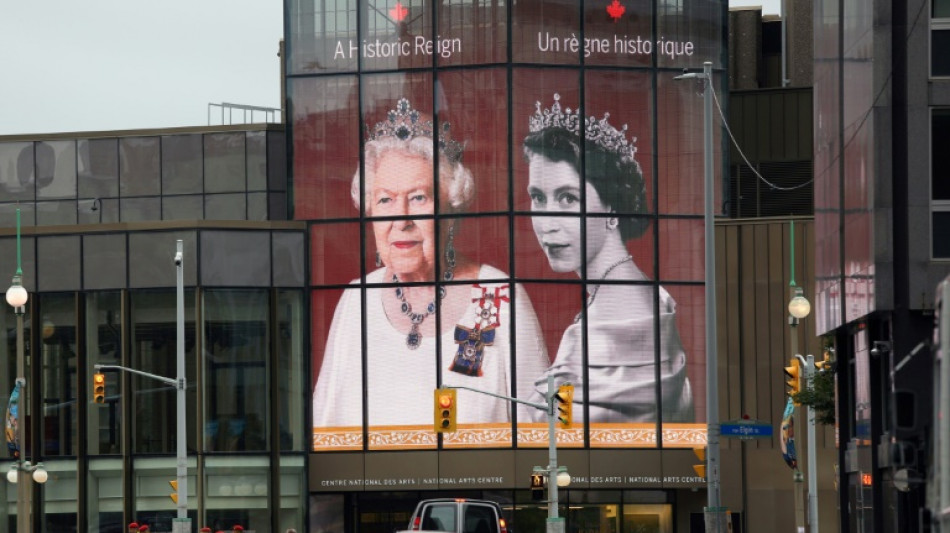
[{"x": 485, "y": 224}]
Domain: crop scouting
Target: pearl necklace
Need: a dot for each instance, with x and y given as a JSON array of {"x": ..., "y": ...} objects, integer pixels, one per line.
[
  {"x": 414, "y": 338},
  {"x": 593, "y": 294}
]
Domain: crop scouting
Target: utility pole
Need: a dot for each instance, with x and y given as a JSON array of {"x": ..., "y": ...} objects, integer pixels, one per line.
[
  {"x": 555, "y": 524},
  {"x": 181, "y": 524}
]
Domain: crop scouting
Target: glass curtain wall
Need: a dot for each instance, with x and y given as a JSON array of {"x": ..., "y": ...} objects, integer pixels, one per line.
[{"x": 57, "y": 387}]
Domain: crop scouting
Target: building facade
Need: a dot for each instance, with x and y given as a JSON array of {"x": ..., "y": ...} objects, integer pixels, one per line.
[
  {"x": 881, "y": 94},
  {"x": 280, "y": 233}
]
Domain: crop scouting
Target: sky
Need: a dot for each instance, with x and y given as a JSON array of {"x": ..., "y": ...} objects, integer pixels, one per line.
[{"x": 99, "y": 65}]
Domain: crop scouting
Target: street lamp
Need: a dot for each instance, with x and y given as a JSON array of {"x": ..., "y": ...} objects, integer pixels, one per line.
[
  {"x": 714, "y": 513},
  {"x": 798, "y": 309},
  {"x": 17, "y": 297}
]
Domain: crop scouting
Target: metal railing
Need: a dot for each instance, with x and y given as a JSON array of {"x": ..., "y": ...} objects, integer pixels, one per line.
[{"x": 243, "y": 114}]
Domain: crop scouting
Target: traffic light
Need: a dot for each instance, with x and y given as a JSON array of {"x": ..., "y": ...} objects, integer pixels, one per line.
[
  {"x": 700, "y": 469},
  {"x": 98, "y": 388},
  {"x": 174, "y": 495},
  {"x": 794, "y": 375},
  {"x": 537, "y": 486},
  {"x": 445, "y": 407},
  {"x": 565, "y": 403}
]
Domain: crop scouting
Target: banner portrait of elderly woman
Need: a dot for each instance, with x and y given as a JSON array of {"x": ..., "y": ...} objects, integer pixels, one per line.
[{"x": 429, "y": 315}]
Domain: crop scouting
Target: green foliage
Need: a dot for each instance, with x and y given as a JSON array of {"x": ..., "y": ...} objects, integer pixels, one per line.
[{"x": 820, "y": 396}]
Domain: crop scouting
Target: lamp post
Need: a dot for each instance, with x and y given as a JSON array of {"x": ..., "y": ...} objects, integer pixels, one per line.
[
  {"x": 798, "y": 309},
  {"x": 17, "y": 297},
  {"x": 715, "y": 514}
]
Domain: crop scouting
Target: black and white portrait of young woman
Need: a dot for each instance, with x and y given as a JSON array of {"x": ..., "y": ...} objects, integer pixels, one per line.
[{"x": 633, "y": 373}]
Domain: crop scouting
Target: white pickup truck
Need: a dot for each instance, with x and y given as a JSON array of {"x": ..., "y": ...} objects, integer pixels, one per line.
[{"x": 458, "y": 515}]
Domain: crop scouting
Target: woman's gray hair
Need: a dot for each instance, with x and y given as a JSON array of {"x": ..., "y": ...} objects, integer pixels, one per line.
[{"x": 455, "y": 181}]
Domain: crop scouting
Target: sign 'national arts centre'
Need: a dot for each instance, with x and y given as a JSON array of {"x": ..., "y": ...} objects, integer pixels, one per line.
[{"x": 497, "y": 193}]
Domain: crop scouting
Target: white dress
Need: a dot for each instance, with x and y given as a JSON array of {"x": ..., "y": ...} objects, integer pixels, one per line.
[
  {"x": 622, "y": 368},
  {"x": 400, "y": 381}
]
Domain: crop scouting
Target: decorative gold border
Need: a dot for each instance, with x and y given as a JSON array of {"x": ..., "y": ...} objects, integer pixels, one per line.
[{"x": 535, "y": 435}]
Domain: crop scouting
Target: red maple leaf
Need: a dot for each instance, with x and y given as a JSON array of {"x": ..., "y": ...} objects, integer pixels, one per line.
[
  {"x": 398, "y": 12},
  {"x": 615, "y": 10}
]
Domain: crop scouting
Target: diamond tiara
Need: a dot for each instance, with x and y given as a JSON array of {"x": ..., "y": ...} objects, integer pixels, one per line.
[
  {"x": 405, "y": 123},
  {"x": 600, "y": 132}
]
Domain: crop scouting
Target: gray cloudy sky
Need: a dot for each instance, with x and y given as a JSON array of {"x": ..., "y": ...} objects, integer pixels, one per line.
[{"x": 94, "y": 65}]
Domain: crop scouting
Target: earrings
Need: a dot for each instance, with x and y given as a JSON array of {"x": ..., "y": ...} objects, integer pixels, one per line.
[
  {"x": 612, "y": 223},
  {"x": 450, "y": 249},
  {"x": 379, "y": 260}
]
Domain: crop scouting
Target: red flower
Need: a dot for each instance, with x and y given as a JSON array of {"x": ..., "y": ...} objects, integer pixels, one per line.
[
  {"x": 134, "y": 526},
  {"x": 144, "y": 528},
  {"x": 206, "y": 529},
  {"x": 237, "y": 528}
]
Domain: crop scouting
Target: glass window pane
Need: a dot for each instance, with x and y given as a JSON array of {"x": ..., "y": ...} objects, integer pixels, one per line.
[
  {"x": 326, "y": 146},
  {"x": 335, "y": 253},
  {"x": 542, "y": 32},
  {"x": 940, "y": 59},
  {"x": 940, "y": 158},
  {"x": 256, "y": 160},
  {"x": 55, "y": 169},
  {"x": 324, "y": 36},
  {"x": 288, "y": 259},
  {"x": 56, "y": 213},
  {"x": 151, "y": 254},
  {"x": 182, "y": 163},
  {"x": 235, "y": 380},
  {"x": 222, "y": 250},
  {"x": 289, "y": 343},
  {"x": 139, "y": 166},
  {"x": 104, "y": 261},
  {"x": 679, "y": 169},
  {"x": 60, "y": 505},
  {"x": 99, "y": 211},
  {"x": 336, "y": 355},
  {"x": 689, "y": 33},
  {"x": 941, "y": 8},
  {"x": 98, "y": 168},
  {"x": 277, "y": 161},
  {"x": 237, "y": 493},
  {"x": 59, "y": 379},
  {"x": 105, "y": 489},
  {"x": 226, "y": 206},
  {"x": 224, "y": 162},
  {"x": 481, "y": 126},
  {"x": 104, "y": 346},
  {"x": 682, "y": 249},
  {"x": 152, "y": 506},
  {"x": 141, "y": 209},
  {"x": 623, "y": 37},
  {"x": 16, "y": 171},
  {"x": 58, "y": 260},
  {"x": 556, "y": 306},
  {"x": 257, "y": 206},
  {"x": 154, "y": 350},
  {"x": 682, "y": 341},
  {"x": 941, "y": 235},
  {"x": 190, "y": 207},
  {"x": 481, "y": 26},
  {"x": 293, "y": 494}
]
